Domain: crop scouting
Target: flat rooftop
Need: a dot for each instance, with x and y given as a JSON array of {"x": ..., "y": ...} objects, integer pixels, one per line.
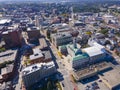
[
  {"x": 43, "y": 43},
  {"x": 2, "y": 43},
  {"x": 47, "y": 54},
  {"x": 37, "y": 53},
  {"x": 7, "y": 69},
  {"x": 5, "y": 85},
  {"x": 94, "y": 50},
  {"x": 3, "y": 21},
  {"x": 36, "y": 67},
  {"x": 108, "y": 16},
  {"x": 64, "y": 29},
  {"x": 91, "y": 70},
  {"x": 32, "y": 28},
  {"x": 62, "y": 35},
  {"x": 61, "y": 25},
  {"x": 9, "y": 55}
]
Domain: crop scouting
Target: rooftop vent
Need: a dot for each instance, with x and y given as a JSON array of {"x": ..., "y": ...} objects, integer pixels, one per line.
[
  {"x": 36, "y": 54},
  {"x": 34, "y": 67}
]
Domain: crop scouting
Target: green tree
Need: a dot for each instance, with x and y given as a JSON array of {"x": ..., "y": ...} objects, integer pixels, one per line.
[{"x": 104, "y": 31}]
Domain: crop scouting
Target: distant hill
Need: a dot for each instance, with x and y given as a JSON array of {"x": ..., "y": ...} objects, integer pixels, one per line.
[{"x": 59, "y": 0}]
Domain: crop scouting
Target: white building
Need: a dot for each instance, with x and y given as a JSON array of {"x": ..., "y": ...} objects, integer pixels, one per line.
[
  {"x": 5, "y": 22},
  {"x": 81, "y": 58},
  {"x": 36, "y": 72},
  {"x": 110, "y": 19},
  {"x": 96, "y": 53}
]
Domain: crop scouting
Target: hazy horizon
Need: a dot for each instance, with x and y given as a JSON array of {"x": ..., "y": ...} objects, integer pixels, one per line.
[{"x": 57, "y": 0}]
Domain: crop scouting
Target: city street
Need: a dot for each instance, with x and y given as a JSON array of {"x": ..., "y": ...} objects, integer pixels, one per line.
[
  {"x": 68, "y": 85},
  {"x": 17, "y": 79},
  {"x": 59, "y": 44}
]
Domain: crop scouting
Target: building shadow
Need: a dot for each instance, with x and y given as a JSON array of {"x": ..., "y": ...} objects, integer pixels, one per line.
[{"x": 90, "y": 79}]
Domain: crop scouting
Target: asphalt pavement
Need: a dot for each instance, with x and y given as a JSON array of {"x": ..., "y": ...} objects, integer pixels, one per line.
[{"x": 68, "y": 85}]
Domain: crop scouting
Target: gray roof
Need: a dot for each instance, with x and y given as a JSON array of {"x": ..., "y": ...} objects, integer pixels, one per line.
[
  {"x": 37, "y": 54},
  {"x": 9, "y": 55},
  {"x": 5, "y": 86},
  {"x": 43, "y": 43},
  {"x": 47, "y": 54},
  {"x": 61, "y": 35},
  {"x": 7, "y": 69}
]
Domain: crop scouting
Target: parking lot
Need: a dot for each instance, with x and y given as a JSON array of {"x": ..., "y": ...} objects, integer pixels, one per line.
[{"x": 92, "y": 84}]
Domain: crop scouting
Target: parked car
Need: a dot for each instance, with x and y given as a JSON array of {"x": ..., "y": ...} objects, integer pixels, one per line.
[
  {"x": 94, "y": 84},
  {"x": 100, "y": 80},
  {"x": 88, "y": 86}
]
